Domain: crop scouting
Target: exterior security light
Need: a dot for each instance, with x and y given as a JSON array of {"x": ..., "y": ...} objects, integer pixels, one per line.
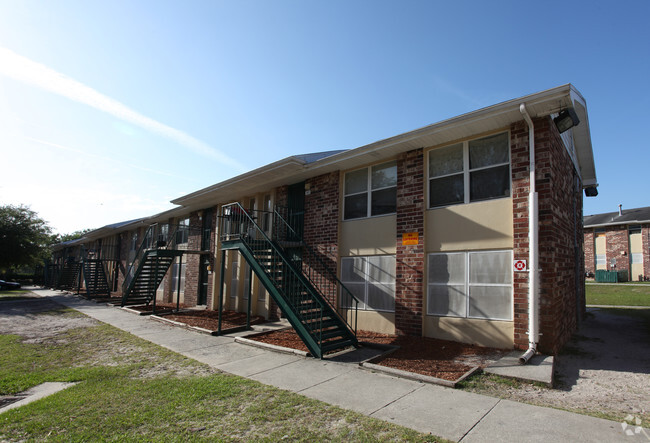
[{"x": 566, "y": 120}]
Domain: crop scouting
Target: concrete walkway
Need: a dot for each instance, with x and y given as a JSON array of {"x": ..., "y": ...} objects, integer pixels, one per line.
[{"x": 449, "y": 413}]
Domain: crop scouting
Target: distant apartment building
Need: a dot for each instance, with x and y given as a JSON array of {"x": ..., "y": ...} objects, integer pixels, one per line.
[{"x": 619, "y": 241}]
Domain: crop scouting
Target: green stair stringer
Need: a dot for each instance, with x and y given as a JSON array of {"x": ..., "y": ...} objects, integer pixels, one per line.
[
  {"x": 95, "y": 277},
  {"x": 148, "y": 275},
  {"x": 313, "y": 330}
]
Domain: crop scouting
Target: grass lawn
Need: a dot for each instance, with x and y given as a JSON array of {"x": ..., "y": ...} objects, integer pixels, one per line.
[
  {"x": 132, "y": 390},
  {"x": 618, "y": 295},
  {"x": 15, "y": 294}
]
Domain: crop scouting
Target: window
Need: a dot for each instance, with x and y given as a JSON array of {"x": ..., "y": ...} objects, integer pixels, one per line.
[
  {"x": 470, "y": 284},
  {"x": 370, "y": 191},
  {"x": 175, "y": 276},
  {"x": 470, "y": 171},
  {"x": 182, "y": 235},
  {"x": 634, "y": 229},
  {"x": 601, "y": 260},
  {"x": 371, "y": 280},
  {"x": 134, "y": 241},
  {"x": 636, "y": 258}
]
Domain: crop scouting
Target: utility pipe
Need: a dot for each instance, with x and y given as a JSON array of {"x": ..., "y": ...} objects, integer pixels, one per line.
[{"x": 533, "y": 248}]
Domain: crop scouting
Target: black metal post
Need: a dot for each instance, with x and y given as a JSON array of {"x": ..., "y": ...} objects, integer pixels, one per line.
[
  {"x": 250, "y": 287},
  {"x": 155, "y": 289}
]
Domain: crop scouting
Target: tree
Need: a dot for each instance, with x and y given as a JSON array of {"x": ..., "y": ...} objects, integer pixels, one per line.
[{"x": 24, "y": 237}]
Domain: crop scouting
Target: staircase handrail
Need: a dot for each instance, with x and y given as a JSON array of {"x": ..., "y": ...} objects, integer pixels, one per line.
[
  {"x": 240, "y": 211},
  {"x": 313, "y": 254},
  {"x": 130, "y": 273}
]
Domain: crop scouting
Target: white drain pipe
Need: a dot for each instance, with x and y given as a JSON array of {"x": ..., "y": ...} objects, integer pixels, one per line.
[{"x": 533, "y": 248}]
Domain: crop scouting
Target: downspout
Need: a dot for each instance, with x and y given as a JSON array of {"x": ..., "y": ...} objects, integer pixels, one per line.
[{"x": 533, "y": 248}]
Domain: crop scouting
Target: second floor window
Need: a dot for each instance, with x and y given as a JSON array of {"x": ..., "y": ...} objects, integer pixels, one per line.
[
  {"x": 470, "y": 171},
  {"x": 370, "y": 191}
]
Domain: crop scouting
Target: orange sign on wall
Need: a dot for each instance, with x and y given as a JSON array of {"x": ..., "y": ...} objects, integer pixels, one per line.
[{"x": 410, "y": 238}]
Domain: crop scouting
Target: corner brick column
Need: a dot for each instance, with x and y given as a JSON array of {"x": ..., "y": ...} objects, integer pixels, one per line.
[
  {"x": 409, "y": 282},
  {"x": 519, "y": 159}
]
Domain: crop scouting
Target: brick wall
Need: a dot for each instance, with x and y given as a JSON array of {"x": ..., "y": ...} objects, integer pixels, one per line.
[
  {"x": 410, "y": 258},
  {"x": 561, "y": 257},
  {"x": 590, "y": 257},
  {"x": 321, "y": 231},
  {"x": 618, "y": 247},
  {"x": 193, "y": 261}
]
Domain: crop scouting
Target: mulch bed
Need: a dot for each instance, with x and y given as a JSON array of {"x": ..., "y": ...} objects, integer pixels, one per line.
[
  {"x": 210, "y": 319},
  {"x": 443, "y": 359}
]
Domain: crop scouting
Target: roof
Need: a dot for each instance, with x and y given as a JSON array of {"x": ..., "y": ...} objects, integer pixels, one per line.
[
  {"x": 295, "y": 169},
  {"x": 629, "y": 216},
  {"x": 104, "y": 231}
]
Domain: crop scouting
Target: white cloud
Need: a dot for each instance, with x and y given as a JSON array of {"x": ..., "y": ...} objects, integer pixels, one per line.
[{"x": 27, "y": 71}]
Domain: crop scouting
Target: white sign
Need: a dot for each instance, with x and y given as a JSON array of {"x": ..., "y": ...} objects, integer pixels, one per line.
[{"x": 520, "y": 266}]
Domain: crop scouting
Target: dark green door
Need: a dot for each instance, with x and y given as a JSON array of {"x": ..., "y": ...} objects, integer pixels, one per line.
[{"x": 296, "y": 204}]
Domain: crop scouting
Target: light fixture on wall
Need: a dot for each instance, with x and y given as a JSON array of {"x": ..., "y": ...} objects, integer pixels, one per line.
[{"x": 566, "y": 120}]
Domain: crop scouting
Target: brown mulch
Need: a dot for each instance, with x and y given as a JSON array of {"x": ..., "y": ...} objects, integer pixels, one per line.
[
  {"x": 443, "y": 359},
  {"x": 210, "y": 319}
]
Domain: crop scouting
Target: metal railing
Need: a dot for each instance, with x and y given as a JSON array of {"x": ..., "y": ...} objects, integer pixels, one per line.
[
  {"x": 300, "y": 273},
  {"x": 316, "y": 266},
  {"x": 166, "y": 236}
]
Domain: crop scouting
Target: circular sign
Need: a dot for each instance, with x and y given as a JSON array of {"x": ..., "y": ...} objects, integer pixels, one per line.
[{"x": 520, "y": 265}]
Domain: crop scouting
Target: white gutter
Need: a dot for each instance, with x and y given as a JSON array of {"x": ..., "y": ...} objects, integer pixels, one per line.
[{"x": 533, "y": 248}]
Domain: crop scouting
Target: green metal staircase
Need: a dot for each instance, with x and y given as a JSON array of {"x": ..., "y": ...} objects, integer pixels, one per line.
[
  {"x": 284, "y": 274},
  {"x": 151, "y": 263},
  {"x": 95, "y": 277},
  {"x": 69, "y": 277}
]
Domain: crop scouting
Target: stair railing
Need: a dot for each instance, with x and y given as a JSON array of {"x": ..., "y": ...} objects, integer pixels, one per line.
[
  {"x": 315, "y": 268},
  {"x": 239, "y": 224},
  {"x": 146, "y": 243}
]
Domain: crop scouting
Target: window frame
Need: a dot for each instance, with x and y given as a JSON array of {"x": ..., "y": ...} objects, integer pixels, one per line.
[
  {"x": 468, "y": 284},
  {"x": 368, "y": 191},
  {"x": 363, "y": 302},
  {"x": 467, "y": 171}
]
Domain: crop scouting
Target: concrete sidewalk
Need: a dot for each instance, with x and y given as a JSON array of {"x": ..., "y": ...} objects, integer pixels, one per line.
[{"x": 445, "y": 412}]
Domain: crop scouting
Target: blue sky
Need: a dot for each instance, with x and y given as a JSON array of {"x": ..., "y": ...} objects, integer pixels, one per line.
[{"x": 108, "y": 110}]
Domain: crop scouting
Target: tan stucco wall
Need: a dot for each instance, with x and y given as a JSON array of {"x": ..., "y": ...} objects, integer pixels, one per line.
[
  {"x": 381, "y": 322},
  {"x": 600, "y": 249},
  {"x": 481, "y": 225},
  {"x": 636, "y": 243},
  {"x": 491, "y": 333},
  {"x": 368, "y": 236}
]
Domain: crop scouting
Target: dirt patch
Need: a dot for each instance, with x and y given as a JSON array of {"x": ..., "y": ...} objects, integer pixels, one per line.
[
  {"x": 39, "y": 319},
  {"x": 603, "y": 371},
  {"x": 427, "y": 356},
  {"x": 210, "y": 319}
]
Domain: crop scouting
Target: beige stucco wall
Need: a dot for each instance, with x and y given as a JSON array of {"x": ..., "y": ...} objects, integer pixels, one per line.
[
  {"x": 381, "y": 322},
  {"x": 601, "y": 249},
  {"x": 480, "y": 225},
  {"x": 636, "y": 243},
  {"x": 368, "y": 236},
  {"x": 491, "y": 333}
]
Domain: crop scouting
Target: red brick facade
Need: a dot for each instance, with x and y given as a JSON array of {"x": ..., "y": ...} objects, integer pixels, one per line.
[
  {"x": 618, "y": 247},
  {"x": 409, "y": 284},
  {"x": 560, "y": 236},
  {"x": 321, "y": 231}
]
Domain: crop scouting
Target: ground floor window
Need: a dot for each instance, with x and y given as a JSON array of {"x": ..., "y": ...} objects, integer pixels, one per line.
[
  {"x": 176, "y": 275},
  {"x": 370, "y": 279},
  {"x": 470, "y": 284}
]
